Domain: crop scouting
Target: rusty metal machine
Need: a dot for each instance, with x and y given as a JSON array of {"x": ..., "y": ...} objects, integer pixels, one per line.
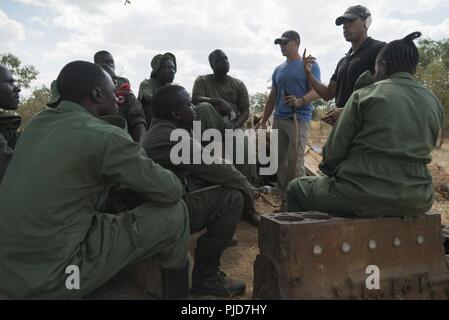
[{"x": 315, "y": 256}]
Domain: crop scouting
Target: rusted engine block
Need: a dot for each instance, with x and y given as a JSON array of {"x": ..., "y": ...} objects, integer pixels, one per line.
[{"x": 315, "y": 256}]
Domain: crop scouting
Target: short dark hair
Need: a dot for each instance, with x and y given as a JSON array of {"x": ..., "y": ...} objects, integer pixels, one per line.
[
  {"x": 165, "y": 100},
  {"x": 99, "y": 54},
  {"x": 213, "y": 54},
  {"x": 77, "y": 78},
  {"x": 401, "y": 55}
]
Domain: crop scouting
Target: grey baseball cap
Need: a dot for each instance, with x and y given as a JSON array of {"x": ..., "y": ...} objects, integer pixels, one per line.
[
  {"x": 352, "y": 13},
  {"x": 287, "y": 36}
]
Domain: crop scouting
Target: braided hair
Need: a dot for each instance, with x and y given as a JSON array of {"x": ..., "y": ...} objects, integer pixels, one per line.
[{"x": 401, "y": 55}]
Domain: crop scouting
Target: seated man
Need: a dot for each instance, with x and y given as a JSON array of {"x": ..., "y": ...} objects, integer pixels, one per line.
[
  {"x": 377, "y": 154},
  {"x": 227, "y": 94},
  {"x": 163, "y": 70},
  {"x": 216, "y": 205},
  {"x": 9, "y": 120},
  {"x": 230, "y": 99},
  {"x": 62, "y": 168},
  {"x": 130, "y": 108}
]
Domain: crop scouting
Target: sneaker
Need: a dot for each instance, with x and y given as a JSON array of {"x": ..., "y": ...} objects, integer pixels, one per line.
[{"x": 217, "y": 284}]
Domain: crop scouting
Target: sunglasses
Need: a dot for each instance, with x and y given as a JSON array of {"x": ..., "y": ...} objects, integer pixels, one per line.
[{"x": 284, "y": 42}]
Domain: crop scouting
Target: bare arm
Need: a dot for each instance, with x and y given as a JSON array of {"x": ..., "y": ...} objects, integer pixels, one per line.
[{"x": 326, "y": 92}]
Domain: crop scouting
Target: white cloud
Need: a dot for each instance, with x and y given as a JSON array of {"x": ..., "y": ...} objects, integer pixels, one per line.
[
  {"x": 11, "y": 32},
  {"x": 192, "y": 28},
  {"x": 38, "y": 20}
]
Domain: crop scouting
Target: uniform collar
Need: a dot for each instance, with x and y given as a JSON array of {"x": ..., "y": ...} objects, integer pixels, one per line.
[
  {"x": 405, "y": 75},
  {"x": 364, "y": 44},
  {"x": 162, "y": 122},
  {"x": 70, "y": 106}
]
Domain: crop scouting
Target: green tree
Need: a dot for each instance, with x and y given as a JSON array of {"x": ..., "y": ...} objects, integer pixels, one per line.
[
  {"x": 257, "y": 101},
  {"x": 433, "y": 72},
  {"x": 24, "y": 74},
  {"x": 34, "y": 104}
]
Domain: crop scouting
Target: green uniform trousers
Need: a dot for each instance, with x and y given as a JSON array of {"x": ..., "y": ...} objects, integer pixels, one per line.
[
  {"x": 115, "y": 241},
  {"x": 316, "y": 194},
  {"x": 218, "y": 209}
]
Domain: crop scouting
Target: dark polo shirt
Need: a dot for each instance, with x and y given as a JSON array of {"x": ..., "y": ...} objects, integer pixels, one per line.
[{"x": 352, "y": 66}]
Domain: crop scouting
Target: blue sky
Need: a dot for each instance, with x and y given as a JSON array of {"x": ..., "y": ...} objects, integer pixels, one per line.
[{"x": 50, "y": 33}]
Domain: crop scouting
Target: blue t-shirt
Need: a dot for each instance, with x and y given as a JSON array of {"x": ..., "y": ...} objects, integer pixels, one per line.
[{"x": 292, "y": 77}]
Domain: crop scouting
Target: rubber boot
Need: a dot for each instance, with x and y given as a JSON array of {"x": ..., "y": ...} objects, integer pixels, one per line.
[
  {"x": 208, "y": 279},
  {"x": 175, "y": 284}
]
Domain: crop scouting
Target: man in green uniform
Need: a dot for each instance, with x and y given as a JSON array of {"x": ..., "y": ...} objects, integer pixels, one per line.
[
  {"x": 9, "y": 120},
  {"x": 377, "y": 154},
  {"x": 230, "y": 98},
  {"x": 62, "y": 168},
  {"x": 227, "y": 94},
  {"x": 216, "y": 194},
  {"x": 130, "y": 107},
  {"x": 163, "y": 70}
]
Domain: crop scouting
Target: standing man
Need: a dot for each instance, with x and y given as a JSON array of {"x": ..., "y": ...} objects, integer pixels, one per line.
[
  {"x": 60, "y": 226},
  {"x": 9, "y": 120},
  {"x": 163, "y": 70},
  {"x": 130, "y": 107},
  {"x": 227, "y": 94},
  {"x": 291, "y": 97},
  {"x": 360, "y": 58}
]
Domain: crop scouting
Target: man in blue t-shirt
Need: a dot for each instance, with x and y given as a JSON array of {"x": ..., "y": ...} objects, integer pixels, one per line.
[{"x": 290, "y": 97}]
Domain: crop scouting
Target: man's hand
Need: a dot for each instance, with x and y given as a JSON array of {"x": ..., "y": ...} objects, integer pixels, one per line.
[
  {"x": 294, "y": 102},
  {"x": 260, "y": 125},
  {"x": 332, "y": 116},
  {"x": 308, "y": 62},
  {"x": 222, "y": 106}
]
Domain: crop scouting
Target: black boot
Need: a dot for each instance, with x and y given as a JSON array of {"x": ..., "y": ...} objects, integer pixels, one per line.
[
  {"x": 175, "y": 284},
  {"x": 208, "y": 279},
  {"x": 216, "y": 284}
]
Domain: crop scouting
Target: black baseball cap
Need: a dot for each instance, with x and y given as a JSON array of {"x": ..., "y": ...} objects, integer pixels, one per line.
[
  {"x": 287, "y": 36},
  {"x": 352, "y": 13}
]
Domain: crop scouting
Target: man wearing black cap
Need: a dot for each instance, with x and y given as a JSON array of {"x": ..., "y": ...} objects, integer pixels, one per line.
[
  {"x": 292, "y": 96},
  {"x": 361, "y": 57}
]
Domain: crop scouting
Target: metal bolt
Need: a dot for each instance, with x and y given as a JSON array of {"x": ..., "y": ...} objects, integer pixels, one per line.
[
  {"x": 420, "y": 239},
  {"x": 397, "y": 242},
  {"x": 317, "y": 250},
  {"x": 372, "y": 244},
  {"x": 346, "y": 247}
]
